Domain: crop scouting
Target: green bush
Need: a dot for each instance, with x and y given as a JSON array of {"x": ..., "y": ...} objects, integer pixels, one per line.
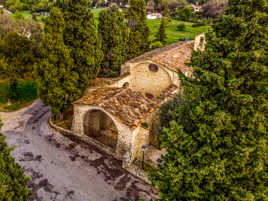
[
  {"x": 25, "y": 91},
  {"x": 185, "y": 14},
  {"x": 13, "y": 183},
  {"x": 156, "y": 45},
  {"x": 181, "y": 27}
]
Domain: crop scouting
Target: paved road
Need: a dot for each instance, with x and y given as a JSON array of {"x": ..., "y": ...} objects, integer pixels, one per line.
[{"x": 63, "y": 170}]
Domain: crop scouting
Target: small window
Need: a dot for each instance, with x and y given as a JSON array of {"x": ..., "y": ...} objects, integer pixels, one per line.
[
  {"x": 150, "y": 96},
  {"x": 125, "y": 85},
  {"x": 153, "y": 67}
]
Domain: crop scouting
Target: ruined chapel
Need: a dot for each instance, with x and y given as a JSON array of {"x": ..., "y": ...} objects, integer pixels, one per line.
[{"x": 120, "y": 115}]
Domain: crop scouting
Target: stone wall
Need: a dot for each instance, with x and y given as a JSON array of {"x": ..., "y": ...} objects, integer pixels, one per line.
[
  {"x": 124, "y": 133},
  {"x": 200, "y": 42},
  {"x": 146, "y": 81}
]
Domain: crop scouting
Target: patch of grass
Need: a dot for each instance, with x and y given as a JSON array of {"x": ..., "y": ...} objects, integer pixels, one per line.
[
  {"x": 171, "y": 30},
  {"x": 27, "y": 91},
  {"x": 27, "y": 15},
  {"x": 24, "y": 13},
  {"x": 173, "y": 35}
]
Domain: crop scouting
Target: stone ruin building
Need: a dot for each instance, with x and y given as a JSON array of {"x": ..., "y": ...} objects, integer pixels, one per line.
[{"x": 120, "y": 115}]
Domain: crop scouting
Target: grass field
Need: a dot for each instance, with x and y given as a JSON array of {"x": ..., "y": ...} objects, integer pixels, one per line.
[
  {"x": 27, "y": 91},
  {"x": 171, "y": 29},
  {"x": 26, "y": 15}
]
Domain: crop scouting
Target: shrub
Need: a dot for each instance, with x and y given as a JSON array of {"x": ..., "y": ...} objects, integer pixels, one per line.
[
  {"x": 156, "y": 45},
  {"x": 181, "y": 27},
  {"x": 185, "y": 14}
]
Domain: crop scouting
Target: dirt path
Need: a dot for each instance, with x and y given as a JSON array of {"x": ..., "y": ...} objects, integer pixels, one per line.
[{"x": 62, "y": 170}]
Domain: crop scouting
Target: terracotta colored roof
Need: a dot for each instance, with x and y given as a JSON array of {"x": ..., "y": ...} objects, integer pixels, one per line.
[
  {"x": 173, "y": 56},
  {"x": 177, "y": 57},
  {"x": 130, "y": 107},
  {"x": 101, "y": 82}
]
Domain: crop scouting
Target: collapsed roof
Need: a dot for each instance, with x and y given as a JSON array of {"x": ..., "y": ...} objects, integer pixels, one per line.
[{"x": 128, "y": 106}]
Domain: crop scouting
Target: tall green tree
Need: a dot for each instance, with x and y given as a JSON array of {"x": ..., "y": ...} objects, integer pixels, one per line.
[
  {"x": 217, "y": 142},
  {"x": 161, "y": 34},
  {"x": 17, "y": 60},
  {"x": 139, "y": 31},
  {"x": 167, "y": 10},
  {"x": 114, "y": 36},
  {"x": 57, "y": 80},
  {"x": 13, "y": 183},
  {"x": 81, "y": 37}
]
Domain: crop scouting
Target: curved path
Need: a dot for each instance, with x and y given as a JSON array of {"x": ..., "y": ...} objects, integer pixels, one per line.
[{"x": 62, "y": 170}]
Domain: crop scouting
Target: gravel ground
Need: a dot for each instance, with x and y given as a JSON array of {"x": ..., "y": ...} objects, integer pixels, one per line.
[{"x": 64, "y": 170}]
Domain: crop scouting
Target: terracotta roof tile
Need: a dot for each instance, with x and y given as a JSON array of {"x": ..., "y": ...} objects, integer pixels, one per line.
[
  {"x": 173, "y": 56},
  {"x": 130, "y": 107}
]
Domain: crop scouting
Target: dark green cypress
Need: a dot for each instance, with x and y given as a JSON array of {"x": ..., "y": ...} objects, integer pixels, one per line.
[
  {"x": 139, "y": 31},
  {"x": 81, "y": 37},
  {"x": 13, "y": 183},
  {"x": 57, "y": 80},
  {"x": 161, "y": 34},
  {"x": 114, "y": 36},
  {"x": 217, "y": 141}
]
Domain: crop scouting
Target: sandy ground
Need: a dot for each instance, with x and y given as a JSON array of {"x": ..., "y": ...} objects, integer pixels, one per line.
[{"x": 63, "y": 170}]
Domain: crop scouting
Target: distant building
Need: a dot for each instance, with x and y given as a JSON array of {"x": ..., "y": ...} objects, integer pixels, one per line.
[{"x": 154, "y": 16}]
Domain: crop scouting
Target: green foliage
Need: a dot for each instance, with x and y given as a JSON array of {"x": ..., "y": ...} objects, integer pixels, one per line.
[
  {"x": 139, "y": 31},
  {"x": 26, "y": 91},
  {"x": 181, "y": 27},
  {"x": 185, "y": 14},
  {"x": 13, "y": 183},
  {"x": 114, "y": 36},
  {"x": 57, "y": 80},
  {"x": 217, "y": 141},
  {"x": 167, "y": 11},
  {"x": 80, "y": 36},
  {"x": 161, "y": 34},
  {"x": 17, "y": 60},
  {"x": 156, "y": 44}
]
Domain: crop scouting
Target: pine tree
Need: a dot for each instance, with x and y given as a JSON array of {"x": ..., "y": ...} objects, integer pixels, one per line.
[
  {"x": 139, "y": 31},
  {"x": 57, "y": 81},
  {"x": 114, "y": 36},
  {"x": 13, "y": 183},
  {"x": 161, "y": 34},
  {"x": 81, "y": 37},
  {"x": 217, "y": 141}
]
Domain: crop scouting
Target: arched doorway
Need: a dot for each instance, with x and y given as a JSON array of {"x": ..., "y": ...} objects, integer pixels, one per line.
[{"x": 100, "y": 126}]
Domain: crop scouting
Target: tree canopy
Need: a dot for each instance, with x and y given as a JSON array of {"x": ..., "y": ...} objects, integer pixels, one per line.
[
  {"x": 13, "y": 183},
  {"x": 139, "y": 31},
  {"x": 217, "y": 140},
  {"x": 80, "y": 36},
  {"x": 57, "y": 81},
  {"x": 114, "y": 35}
]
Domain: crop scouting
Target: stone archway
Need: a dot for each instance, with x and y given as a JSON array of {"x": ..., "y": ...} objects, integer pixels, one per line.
[{"x": 99, "y": 126}]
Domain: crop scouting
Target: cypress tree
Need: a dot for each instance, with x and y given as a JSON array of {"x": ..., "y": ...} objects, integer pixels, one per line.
[
  {"x": 81, "y": 37},
  {"x": 57, "y": 81},
  {"x": 167, "y": 10},
  {"x": 161, "y": 34},
  {"x": 139, "y": 31},
  {"x": 217, "y": 141},
  {"x": 13, "y": 183},
  {"x": 114, "y": 36}
]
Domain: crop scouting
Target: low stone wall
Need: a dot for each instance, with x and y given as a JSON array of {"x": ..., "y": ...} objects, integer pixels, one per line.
[
  {"x": 131, "y": 168},
  {"x": 84, "y": 138}
]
